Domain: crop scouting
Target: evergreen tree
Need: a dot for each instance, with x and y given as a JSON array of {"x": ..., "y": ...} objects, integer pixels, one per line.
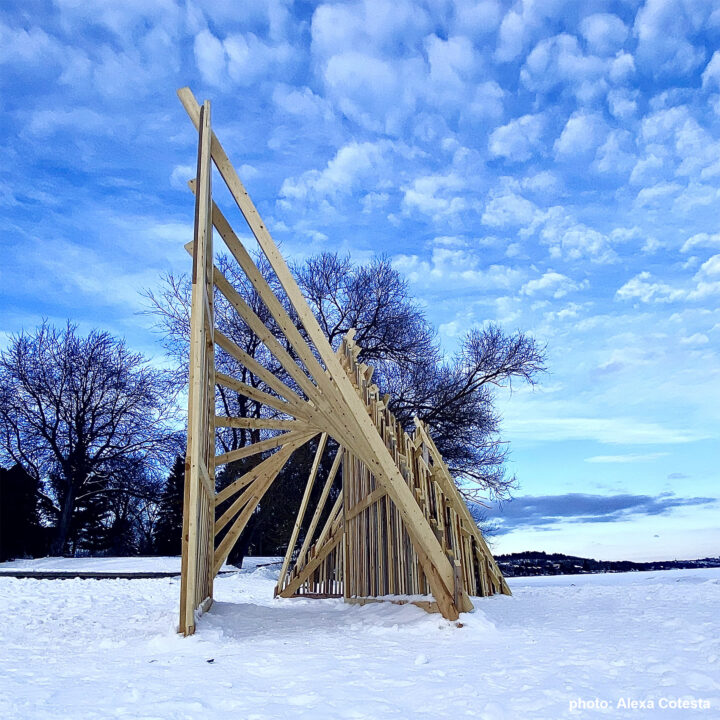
[
  {"x": 168, "y": 529},
  {"x": 21, "y": 534}
]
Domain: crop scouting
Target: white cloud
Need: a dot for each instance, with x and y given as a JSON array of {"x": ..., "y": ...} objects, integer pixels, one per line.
[
  {"x": 582, "y": 134},
  {"x": 622, "y": 103},
  {"x": 81, "y": 120},
  {"x": 457, "y": 267},
  {"x": 559, "y": 61},
  {"x": 616, "y": 154},
  {"x": 487, "y": 101},
  {"x": 302, "y": 102},
  {"x": 711, "y": 73},
  {"x": 647, "y": 170},
  {"x": 622, "y": 67},
  {"x": 436, "y": 195},
  {"x": 550, "y": 283},
  {"x": 603, "y": 32},
  {"x": 643, "y": 288},
  {"x": 353, "y": 163},
  {"x": 505, "y": 208},
  {"x": 452, "y": 63},
  {"x": 242, "y": 59},
  {"x": 662, "y": 29},
  {"x": 611, "y": 430},
  {"x": 572, "y": 240},
  {"x": 210, "y": 57},
  {"x": 629, "y": 458},
  {"x": 696, "y": 339},
  {"x": 658, "y": 193},
  {"x": 701, "y": 240},
  {"x": 519, "y": 139},
  {"x": 180, "y": 176}
]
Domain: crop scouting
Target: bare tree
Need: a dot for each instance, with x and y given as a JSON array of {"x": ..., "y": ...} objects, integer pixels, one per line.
[
  {"x": 454, "y": 396},
  {"x": 81, "y": 415}
]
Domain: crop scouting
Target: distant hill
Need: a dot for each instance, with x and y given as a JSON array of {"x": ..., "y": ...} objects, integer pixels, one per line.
[{"x": 542, "y": 563}]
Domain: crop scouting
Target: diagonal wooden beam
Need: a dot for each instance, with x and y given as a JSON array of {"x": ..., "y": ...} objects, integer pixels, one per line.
[
  {"x": 365, "y": 503},
  {"x": 258, "y": 370},
  {"x": 290, "y": 438},
  {"x": 259, "y": 395},
  {"x": 256, "y": 448},
  {"x": 293, "y": 586},
  {"x": 251, "y": 479},
  {"x": 320, "y": 506},
  {"x": 251, "y": 423},
  {"x": 301, "y": 511},
  {"x": 232, "y": 535}
]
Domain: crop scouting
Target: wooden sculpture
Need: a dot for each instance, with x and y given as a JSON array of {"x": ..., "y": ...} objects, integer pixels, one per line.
[{"x": 398, "y": 531}]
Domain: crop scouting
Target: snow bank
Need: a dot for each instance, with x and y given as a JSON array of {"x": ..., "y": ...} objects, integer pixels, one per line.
[{"x": 99, "y": 649}]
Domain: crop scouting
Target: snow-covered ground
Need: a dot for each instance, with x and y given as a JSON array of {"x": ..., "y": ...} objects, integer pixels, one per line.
[
  {"x": 106, "y": 565},
  {"x": 108, "y": 648}
]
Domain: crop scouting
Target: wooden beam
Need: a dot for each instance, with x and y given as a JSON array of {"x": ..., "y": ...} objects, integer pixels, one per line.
[
  {"x": 294, "y": 439},
  {"x": 200, "y": 382},
  {"x": 292, "y": 587},
  {"x": 365, "y": 503},
  {"x": 232, "y": 535},
  {"x": 258, "y": 370},
  {"x": 301, "y": 511},
  {"x": 320, "y": 506},
  {"x": 256, "y": 448},
  {"x": 251, "y": 423},
  {"x": 259, "y": 395}
]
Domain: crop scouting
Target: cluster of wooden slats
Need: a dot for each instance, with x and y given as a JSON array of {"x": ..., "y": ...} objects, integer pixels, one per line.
[
  {"x": 378, "y": 559},
  {"x": 420, "y": 543}
]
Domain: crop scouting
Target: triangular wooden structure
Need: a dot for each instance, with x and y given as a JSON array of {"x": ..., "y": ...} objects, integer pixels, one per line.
[{"x": 398, "y": 531}]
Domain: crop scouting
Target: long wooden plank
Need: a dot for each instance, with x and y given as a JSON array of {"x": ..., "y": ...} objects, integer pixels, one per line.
[
  {"x": 292, "y": 587},
  {"x": 364, "y": 504},
  {"x": 252, "y": 478},
  {"x": 320, "y": 506},
  {"x": 259, "y": 395},
  {"x": 298, "y": 437},
  {"x": 255, "y": 448},
  {"x": 251, "y": 423},
  {"x": 232, "y": 535},
  {"x": 301, "y": 511},
  {"x": 198, "y": 381},
  {"x": 258, "y": 370}
]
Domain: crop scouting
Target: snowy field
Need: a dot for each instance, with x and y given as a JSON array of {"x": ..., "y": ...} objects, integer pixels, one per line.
[
  {"x": 105, "y": 565},
  {"x": 108, "y": 649}
]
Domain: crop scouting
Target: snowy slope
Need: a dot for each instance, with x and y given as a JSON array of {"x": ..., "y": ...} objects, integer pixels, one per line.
[{"x": 100, "y": 649}]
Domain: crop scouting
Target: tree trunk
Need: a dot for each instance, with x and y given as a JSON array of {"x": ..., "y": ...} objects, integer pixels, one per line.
[{"x": 63, "y": 526}]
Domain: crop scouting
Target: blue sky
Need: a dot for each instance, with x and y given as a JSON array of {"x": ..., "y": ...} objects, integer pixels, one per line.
[{"x": 553, "y": 166}]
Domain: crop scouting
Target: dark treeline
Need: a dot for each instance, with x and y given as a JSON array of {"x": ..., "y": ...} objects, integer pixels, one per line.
[{"x": 89, "y": 430}]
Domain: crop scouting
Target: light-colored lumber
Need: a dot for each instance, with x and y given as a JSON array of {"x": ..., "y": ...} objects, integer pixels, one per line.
[
  {"x": 232, "y": 535},
  {"x": 321, "y": 504},
  {"x": 303, "y": 507},
  {"x": 199, "y": 380},
  {"x": 256, "y": 448},
  {"x": 297, "y": 439},
  {"x": 399, "y": 526}
]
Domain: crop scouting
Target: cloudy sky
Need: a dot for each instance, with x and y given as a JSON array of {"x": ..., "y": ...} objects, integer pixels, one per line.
[{"x": 550, "y": 165}]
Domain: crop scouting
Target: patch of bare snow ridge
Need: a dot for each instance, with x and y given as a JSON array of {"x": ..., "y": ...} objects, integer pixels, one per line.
[{"x": 108, "y": 648}]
